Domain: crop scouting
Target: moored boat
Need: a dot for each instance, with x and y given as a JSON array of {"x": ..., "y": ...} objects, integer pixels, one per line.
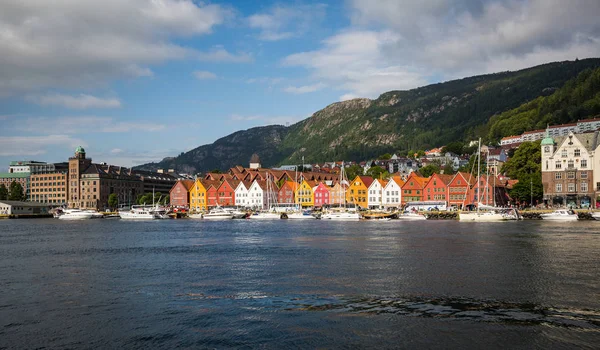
[
  {"x": 411, "y": 216},
  {"x": 139, "y": 212},
  {"x": 75, "y": 214},
  {"x": 560, "y": 215}
]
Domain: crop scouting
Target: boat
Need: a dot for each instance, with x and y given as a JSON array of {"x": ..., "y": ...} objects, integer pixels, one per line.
[
  {"x": 342, "y": 213},
  {"x": 95, "y": 214},
  {"x": 411, "y": 216},
  {"x": 302, "y": 215},
  {"x": 378, "y": 215},
  {"x": 272, "y": 213},
  {"x": 75, "y": 214},
  {"x": 560, "y": 215},
  {"x": 218, "y": 213},
  {"x": 596, "y": 215},
  {"x": 139, "y": 212}
]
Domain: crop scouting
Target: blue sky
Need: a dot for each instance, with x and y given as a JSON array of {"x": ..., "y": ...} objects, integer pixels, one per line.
[{"x": 135, "y": 81}]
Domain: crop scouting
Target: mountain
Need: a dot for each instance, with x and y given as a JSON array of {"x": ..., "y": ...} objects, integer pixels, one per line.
[{"x": 399, "y": 121}]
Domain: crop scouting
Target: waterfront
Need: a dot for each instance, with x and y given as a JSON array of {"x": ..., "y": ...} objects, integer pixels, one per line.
[{"x": 281, "y": 284}]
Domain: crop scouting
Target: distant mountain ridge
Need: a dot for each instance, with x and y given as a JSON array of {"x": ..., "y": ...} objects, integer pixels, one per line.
[{"x": 398, "y": 121}]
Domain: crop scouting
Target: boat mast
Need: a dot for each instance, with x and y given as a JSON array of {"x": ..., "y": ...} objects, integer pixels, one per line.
[{"x": 478, "y": 173}]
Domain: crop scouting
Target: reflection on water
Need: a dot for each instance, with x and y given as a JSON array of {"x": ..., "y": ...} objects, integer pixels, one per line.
[{"x": 298, "y": 284}]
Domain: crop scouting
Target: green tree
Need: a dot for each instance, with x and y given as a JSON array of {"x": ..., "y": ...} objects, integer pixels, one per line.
[
  {"x": 378, "y": 172},
  {"x": 113, "y": 201},
  {"x": 3, "y": 192},
  {"x": 429, "y": 169},
  {"x": 527, "y": 187},
  {"x": 354, "y": 170},
  {"x": 16, "y": 192},
  {"x": 385, "y": 156},
  {"x": 455, "y": 147},
  {"x": 448, "y": 169},
  {"x": 525, "y": 161}
]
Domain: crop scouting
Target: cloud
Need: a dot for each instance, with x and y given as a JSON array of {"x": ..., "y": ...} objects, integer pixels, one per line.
[
  {"x": 304, "y": 89},
  {"x": 116, "y": 151},
  {"x": 81, "y": 101},
  {"x": 222, "y": 56},
  {"x": 84, "y": 124},
  {"x": 265, "y": 80},
  {"x": 394, "y": 45},
  {"x": 285, "y": 22},
  {"x": 87, "y": 42},
  {"x": 36, "y": 145},
  {"x": 204, "y": 75}
]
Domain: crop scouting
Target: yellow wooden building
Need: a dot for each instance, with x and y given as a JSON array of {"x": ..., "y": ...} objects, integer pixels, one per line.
[
  {"x": 357, "y": 192},
  {"x": 198, "y": 199}
]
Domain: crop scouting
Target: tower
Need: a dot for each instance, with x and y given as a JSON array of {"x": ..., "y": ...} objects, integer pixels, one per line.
[
  {"x": 255, "y": 162},
  {"x": 77, "y": 164}
]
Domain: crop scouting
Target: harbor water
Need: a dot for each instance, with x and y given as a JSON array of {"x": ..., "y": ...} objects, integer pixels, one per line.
[{"x": 312, "y": 284}]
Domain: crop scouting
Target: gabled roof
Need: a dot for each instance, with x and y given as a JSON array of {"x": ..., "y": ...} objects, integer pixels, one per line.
[
  {"x": 444, "y": 178},
  {"x": 187, "y": 184},
  {"x": 367, "y": 180},
  {"x": 396, "y": 179},
  {"x": 211, "y": 183}
]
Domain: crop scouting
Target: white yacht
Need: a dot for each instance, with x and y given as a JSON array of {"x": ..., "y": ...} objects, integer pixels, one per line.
[
  {"x": 301, "y": 215},
  {"x": 265, "y": 215},
  {"x": 75, "y": 214},
  {"x": 482, "y": 216},
  {"x": 560, "y": 215},
  {"x": 218, "y": 213},
  {"x": 411, "y": 216},
  {"x": 139, "y": 212},
  {"x": 341, "y": 215},
  {"x": 596, "y": 215}
]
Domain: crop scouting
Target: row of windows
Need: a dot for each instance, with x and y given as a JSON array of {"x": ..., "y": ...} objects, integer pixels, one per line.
[
  {"x": 570, "y": 175},
  {"x": 45, "y": 184},
  {"x": 46, "y": 178},
  {"x": 52, "y": 189},
  {"x": 572, "y": 187}
]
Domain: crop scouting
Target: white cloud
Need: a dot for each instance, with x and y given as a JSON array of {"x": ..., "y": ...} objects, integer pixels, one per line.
[
  {"x": 304, "y": 89},
  {"x": 36, "y": 145},
  {"x": 395, "y": 45},
  {"x": 77, "y": 43},
  {"x": 265, "y": 80},
  {"x": 83, "y": 124},
  {"x": 116, "y": 151},
  {"x": 81, "y": 101},
  {"x": 204, "y": 75},
  {"x": 284, "y": 22},
  {"x": 221, "y": 55}
]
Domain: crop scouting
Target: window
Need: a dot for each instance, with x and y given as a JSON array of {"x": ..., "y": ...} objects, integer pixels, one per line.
[
  {"x": 557, "y": 176},
  {"x": 577, "y": 152},
  {"x": 584, "y": 187},
  {"x": 558, "y": 164},
  {"x": 563, "y": 153},
  {"x": 571, "y": 175},
  {"x": 558, "y": 187},
  {"x": 571, "y": 164},
  {"x": 583, "y": 163},
  {"x": 572, "y": 187},
  {"x": 583, "y": 175}
]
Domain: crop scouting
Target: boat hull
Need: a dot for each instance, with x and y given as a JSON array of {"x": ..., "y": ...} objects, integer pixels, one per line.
[{"x": 481, "y": 217}]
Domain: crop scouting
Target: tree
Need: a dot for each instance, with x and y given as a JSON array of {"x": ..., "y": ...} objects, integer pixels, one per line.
[
  {"x": 526, "y": 161},
  {"x": 448, "y": 169},
  {"x": 113, "y": 200},
  {"x": 354, "y": 170},
  {"x": 385, "y": 156},
  {"x": 429, "y": 170},
  {"x": 527, "y": 187},
  {"x": 3, "y": 192},
  {"x": 455, "y": 147},
  {"x": 16, "y": 192},
  {"x": 377, "y": 172}
]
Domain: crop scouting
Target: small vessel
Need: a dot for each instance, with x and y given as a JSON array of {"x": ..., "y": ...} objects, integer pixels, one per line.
[
  {"x": 482, "y": 216},
  {"x": 95, "y": 214},
  {"x": 378, "y": 215},
  {"x": 139, "y": 212},
  {"x": 75, "y": 214},
  {"x": 560, "y": 215},
  {"x": 304, "y": 214},
  {"x": 218, "y": 213},
  {"x": 411, "y": 216},
  {"x": 341, "y": 215},
  {"x": 596, "y": 215},
  {"x": 265, "y": 215}
]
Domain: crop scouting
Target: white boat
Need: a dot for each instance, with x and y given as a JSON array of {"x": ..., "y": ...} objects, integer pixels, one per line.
[
  {"x": 265, "y": 215},
  {"x": 95, "y": 214},
  {"x": 560, "y": 215},
  {"x": 482, "y": 216},
  {"x": 139, "y": 212},
  {"x": 218, "y": 213},
  {"x": 411, "y": 216},
  {"x": 75, "y": 214},
  {"x": 596, "y": 215},
  {"x": 299, "y": 215},
  {"x": 341, "y": 215}
]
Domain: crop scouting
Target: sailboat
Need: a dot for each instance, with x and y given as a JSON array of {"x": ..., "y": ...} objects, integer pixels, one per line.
[
  {"x": 342, "y": 213},
  {"x": 490, "y": 214},
  {"x": 272, "y": 212},
  {"x": 298, "y": 213}
]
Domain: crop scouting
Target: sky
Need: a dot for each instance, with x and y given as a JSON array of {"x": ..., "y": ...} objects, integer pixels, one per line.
[{"x": 139, "y": 80}]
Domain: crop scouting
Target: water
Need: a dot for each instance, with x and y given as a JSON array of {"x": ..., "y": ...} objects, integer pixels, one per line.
[{"x": 285, "y": 284}]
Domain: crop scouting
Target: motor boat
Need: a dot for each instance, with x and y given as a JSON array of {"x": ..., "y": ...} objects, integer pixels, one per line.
[
  {"x": 139, "y": 212},
  {"x": 341, "y": 215},
  {"x": 265, "y": 215},
  {"x": 560, "y": 215},
  {"x": 75, "y": 214},
  {"x": 303, "y": 214},
  {"x": 218, "y": 213},
  {"x": 411, "y": 216},
  {"x": 596, "y": 215}
]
